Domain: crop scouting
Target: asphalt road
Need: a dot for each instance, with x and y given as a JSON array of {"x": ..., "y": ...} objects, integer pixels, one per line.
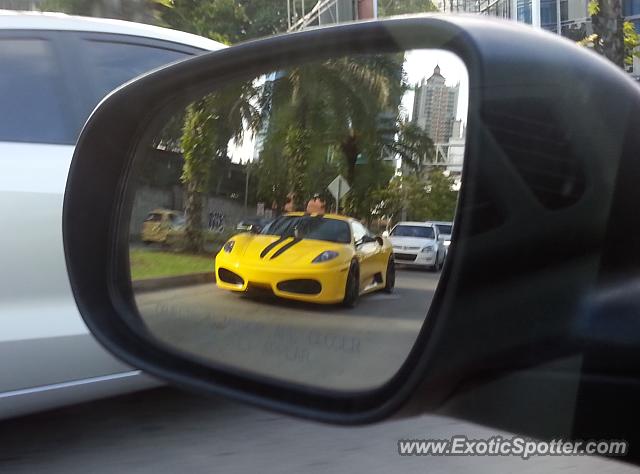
[
  {"x": 344, "y": 348},
  {"x": 168, "y": 431},
  {"x": 165, "y": 431}
]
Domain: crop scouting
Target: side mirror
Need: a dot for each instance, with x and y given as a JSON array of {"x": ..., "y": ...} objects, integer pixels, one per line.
[
  {"x": 379, "y": 240},
  {"x": 365, "y": 240},
  {"x": 549, "y": 164},
  {"x": 385, "y": 234}
]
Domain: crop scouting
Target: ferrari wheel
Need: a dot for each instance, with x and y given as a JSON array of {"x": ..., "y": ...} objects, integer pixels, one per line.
[
  {"x": 352, "y": 287},
  {"x": 390, "y": 277}
]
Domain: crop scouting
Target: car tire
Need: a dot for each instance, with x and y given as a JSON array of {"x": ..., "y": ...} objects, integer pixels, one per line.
[
  {"x": 390, "y": 276},
  {"x": 436, "y": 266},
  {"x": 352, "y": 287}
]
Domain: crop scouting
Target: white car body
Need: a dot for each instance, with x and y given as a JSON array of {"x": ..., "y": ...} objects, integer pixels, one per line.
[
  {"x": 414, "y": 249},
  {"x": 444, "y": 237},
  {"x": 48, "y": 356}
]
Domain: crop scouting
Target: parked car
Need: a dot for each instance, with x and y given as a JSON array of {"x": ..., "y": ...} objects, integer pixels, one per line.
[
  {"x": 444, "y": 230},
  {"x": 55, "y": 69},
  {"x": 418, "y": 244},
  {"x": 162, "y": 226}
]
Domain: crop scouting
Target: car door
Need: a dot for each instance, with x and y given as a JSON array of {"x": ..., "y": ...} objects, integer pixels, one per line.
[
  {"x": 40, "y": 328},
  {"x": 366, "y": 252},
  {"x": 51, "y": 80}
]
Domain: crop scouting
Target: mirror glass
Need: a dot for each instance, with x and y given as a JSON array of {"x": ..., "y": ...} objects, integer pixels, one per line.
[{"x": 295, "y": 224}]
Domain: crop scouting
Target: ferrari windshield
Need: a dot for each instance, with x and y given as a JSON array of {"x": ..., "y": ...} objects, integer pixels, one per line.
[{"x": 310, "y": 227}]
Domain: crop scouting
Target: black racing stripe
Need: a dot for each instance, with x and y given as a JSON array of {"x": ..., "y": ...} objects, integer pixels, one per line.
[
  {"x": 269, "y": 247},
  {"x": 285, "y": 247}
]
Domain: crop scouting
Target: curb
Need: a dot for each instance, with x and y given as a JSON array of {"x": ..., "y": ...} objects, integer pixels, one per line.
[{"x": 152, "y": 284}]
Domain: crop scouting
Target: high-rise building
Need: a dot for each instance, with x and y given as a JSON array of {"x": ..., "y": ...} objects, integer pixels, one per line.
[
  {"x": 569, "y": 18},
  {"x": 435, "y": 105},
  {"x": 566, "y": 17}
]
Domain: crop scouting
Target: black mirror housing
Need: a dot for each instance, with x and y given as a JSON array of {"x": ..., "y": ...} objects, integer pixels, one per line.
[{"x": 529, "y": 253}]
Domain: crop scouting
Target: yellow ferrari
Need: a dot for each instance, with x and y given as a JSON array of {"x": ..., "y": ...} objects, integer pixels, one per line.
[{"x": 319, "y": 258}]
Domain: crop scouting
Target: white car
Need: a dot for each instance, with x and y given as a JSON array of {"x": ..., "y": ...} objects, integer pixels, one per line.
[
  {"x": 418, "y": 244},
  {"x": 445, "y": 229},
  {"x": 54, "y": 69}
]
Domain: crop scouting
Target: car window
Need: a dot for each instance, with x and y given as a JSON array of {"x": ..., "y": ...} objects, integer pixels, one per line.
[
  {"x": 359, "y": 231},
  {"x": 413, "y": 231},
  {"x": 176, "y": 219},
  {"x": 113, "y": 63},
  {"x": 444, "y": 229},
  {"x": 318, "y": 228},
  {"x": 32, "y": 102}
]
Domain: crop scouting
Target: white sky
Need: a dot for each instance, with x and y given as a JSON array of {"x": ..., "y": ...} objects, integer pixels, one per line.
[{"x": 418, "y": 65}]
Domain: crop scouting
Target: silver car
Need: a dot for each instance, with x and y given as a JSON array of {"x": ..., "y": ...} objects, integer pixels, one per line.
[
  {"x": 445, "y": 229},
  {"x": 55, "y": 69}
]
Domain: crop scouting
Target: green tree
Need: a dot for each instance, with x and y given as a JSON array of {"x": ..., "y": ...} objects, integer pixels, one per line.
[
  {"x": 607, "y": 23},
  {"x": 413, "y": 145},
  {"x": 210, "y": 124},
  {"x": 613, "y": 38},
  {"x": 373, "y": 176},
  {"x": 145, "y": 11},
  {"x": 404, "y": 7},
  {"x": 441, "y": 198},
  {"x": 198, "y": 148},
  {"x": 227, "y": 21},
  {"x": 420, "y": 199},
  {"x": 404, "y": 194},
  {"x": 296, "y": 153},
  {"x": 334, "y": 104},
  {"x": 341, "y": 99}
]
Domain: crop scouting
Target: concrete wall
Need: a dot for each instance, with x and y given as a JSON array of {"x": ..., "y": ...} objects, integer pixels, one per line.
[{"x": 149, "y": 198}]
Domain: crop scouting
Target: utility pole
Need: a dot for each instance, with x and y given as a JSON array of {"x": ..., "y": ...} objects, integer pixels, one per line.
[{"x": 247, "y": 170}]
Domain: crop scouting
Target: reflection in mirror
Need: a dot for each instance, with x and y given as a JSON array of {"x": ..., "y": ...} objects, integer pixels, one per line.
[{"x": 295, "y": 224}]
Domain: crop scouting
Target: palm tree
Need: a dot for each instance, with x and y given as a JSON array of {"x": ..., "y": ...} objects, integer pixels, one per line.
[
  {"x": 335, "y": 108},
  {"x": 413, "y": 145},
  {"x": 336, "y": 102},
  {"x": 209, "y": 125},
  {"x": 607, "y": 21}
]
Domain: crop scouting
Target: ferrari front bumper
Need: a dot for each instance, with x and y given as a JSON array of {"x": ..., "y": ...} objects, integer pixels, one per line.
[{"x": 324, "y": 285}]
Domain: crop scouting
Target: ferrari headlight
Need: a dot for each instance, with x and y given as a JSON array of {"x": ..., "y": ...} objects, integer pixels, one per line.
[
  {"x": 325, "y": 256},
  {"x": 228, "y": 247},
  {"x": 428, "y": 248}
]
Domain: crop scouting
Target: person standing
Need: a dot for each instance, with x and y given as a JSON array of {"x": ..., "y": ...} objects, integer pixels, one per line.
[
  {"x": 315, "y": 205},
  {"x": 289, "y": 206}
]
